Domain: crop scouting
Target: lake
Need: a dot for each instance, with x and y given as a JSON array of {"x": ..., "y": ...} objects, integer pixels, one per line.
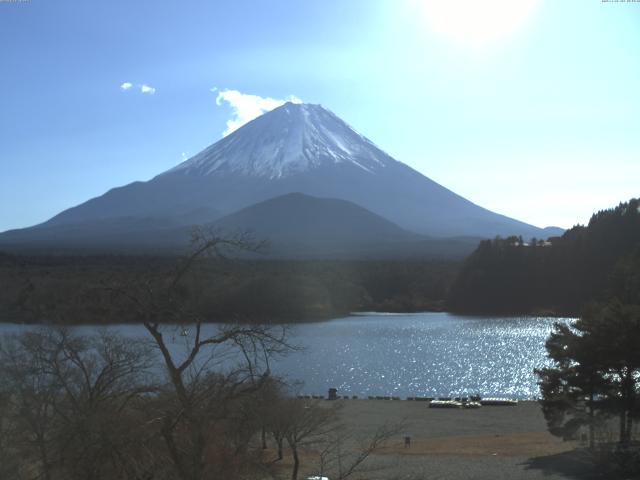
[{"x": 424, "y": 354}]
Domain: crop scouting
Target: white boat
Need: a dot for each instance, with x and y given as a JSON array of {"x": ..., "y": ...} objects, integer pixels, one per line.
[
  {"x": 445, "y": 404},
  {"x": 499, "y": 402}
]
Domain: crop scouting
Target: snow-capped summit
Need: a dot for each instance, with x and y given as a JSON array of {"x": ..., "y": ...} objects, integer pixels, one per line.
[
  {"x": 296, "y": 148},
  {"x": 290, "y": 139}
]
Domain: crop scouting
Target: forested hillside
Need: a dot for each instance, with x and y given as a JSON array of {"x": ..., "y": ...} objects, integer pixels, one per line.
[
  {"x": 558, "y": 276},
  {"x": 76, "y": 289},
  {"x": 503, "y": 276}
]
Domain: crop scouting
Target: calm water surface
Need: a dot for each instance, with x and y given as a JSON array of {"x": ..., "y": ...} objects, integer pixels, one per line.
[{"x": 426, "y": 354}]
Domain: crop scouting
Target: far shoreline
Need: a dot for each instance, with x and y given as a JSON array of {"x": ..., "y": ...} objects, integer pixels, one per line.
[{"x": 347, "y": 316}]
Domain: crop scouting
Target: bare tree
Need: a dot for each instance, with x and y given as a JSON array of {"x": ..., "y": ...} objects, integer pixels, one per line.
[
  {"x": 84, "y": 408},
  {"x": 264, "y": 407},
  {"x": 314, "y": 426},
  {"x": 308, "y": 422},
  {"x": 69, "y": 399},
  {"x": 198, "y": 401},
  {"x": 277, "y": 421},
  {"x": 344, "y": 455}
]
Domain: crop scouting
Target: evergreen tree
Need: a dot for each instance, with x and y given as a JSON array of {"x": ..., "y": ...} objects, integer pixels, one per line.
[
  {"x": 501, "y": 277},
  {"x": 596, "y": 373}
]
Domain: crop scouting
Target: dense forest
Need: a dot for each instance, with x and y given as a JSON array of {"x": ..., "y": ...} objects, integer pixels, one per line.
[
  {"x": 76, "y": 289},
  {"x": 558, "y": 276}
]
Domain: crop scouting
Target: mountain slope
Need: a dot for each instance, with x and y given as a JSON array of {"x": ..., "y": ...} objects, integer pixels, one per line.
[
  {"x": 298, "y": 225},
  {"x": 294, "y": 148},
  {"x": 296, "y": 217},
  {"x": 293, "y": 225}
]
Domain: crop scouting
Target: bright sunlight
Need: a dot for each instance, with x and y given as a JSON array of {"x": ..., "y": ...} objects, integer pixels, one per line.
[{"x": 474, "y": 23}]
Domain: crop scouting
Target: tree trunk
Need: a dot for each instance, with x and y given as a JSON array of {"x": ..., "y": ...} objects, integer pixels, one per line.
[
  {"x": 626, "y": 411},
  {"x": 591, "y": 420},
  {"x": 174, "y": 453},
  {"x": 279, "y": 442},
  {"x": 296, "y": 462},
  {"x": 630, "y": 404},
  {"x": 623, "y": 425},
  {"x": 263, "y": 434},
  {"x": 44, "y": 459},
  {"x": 199, "y": 448}
]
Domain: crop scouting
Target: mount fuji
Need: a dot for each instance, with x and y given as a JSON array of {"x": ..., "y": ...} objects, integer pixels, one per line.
[{"x": 295, "y": 148}]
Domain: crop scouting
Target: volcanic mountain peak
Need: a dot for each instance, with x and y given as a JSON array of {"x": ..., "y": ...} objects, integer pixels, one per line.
[
  {"x": 294, "y": 148},
  {"x": 290, "y": 139}
]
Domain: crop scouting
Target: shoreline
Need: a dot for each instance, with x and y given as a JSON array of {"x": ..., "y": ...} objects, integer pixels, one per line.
[
  {"x": 491, "y": 442},
  {"x": 345, "y": 316}
]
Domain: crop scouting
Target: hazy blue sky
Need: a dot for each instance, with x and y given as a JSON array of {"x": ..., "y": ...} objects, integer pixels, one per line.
[{"x": 529, "y": 108}]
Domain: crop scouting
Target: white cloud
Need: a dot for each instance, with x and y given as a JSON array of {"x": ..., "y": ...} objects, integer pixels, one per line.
[
  {"x": 144, "y": 88},
  {"x": 246, "y": 107},
  {"x": 147, "y": 89}
]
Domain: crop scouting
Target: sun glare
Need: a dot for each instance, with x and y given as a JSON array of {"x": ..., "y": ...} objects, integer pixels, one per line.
[{"x": 476, "y": 23}]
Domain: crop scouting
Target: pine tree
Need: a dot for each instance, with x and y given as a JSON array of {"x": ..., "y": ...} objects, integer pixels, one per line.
[{"x": 596, "y": 372}]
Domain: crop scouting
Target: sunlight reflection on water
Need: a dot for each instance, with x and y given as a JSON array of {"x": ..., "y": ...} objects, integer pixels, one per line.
[{"x": 426, "y": 354}]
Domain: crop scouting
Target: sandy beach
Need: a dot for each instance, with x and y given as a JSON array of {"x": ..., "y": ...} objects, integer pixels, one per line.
[{"x": 508, "y": 442}]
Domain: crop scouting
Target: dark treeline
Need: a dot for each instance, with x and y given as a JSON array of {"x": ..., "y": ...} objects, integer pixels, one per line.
[
  {"x": 592, "y": 388},
  {"x": 559, "y": 276},
  {"x": 503, "y": 276},
  {"x": 77, "y": 288}
]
